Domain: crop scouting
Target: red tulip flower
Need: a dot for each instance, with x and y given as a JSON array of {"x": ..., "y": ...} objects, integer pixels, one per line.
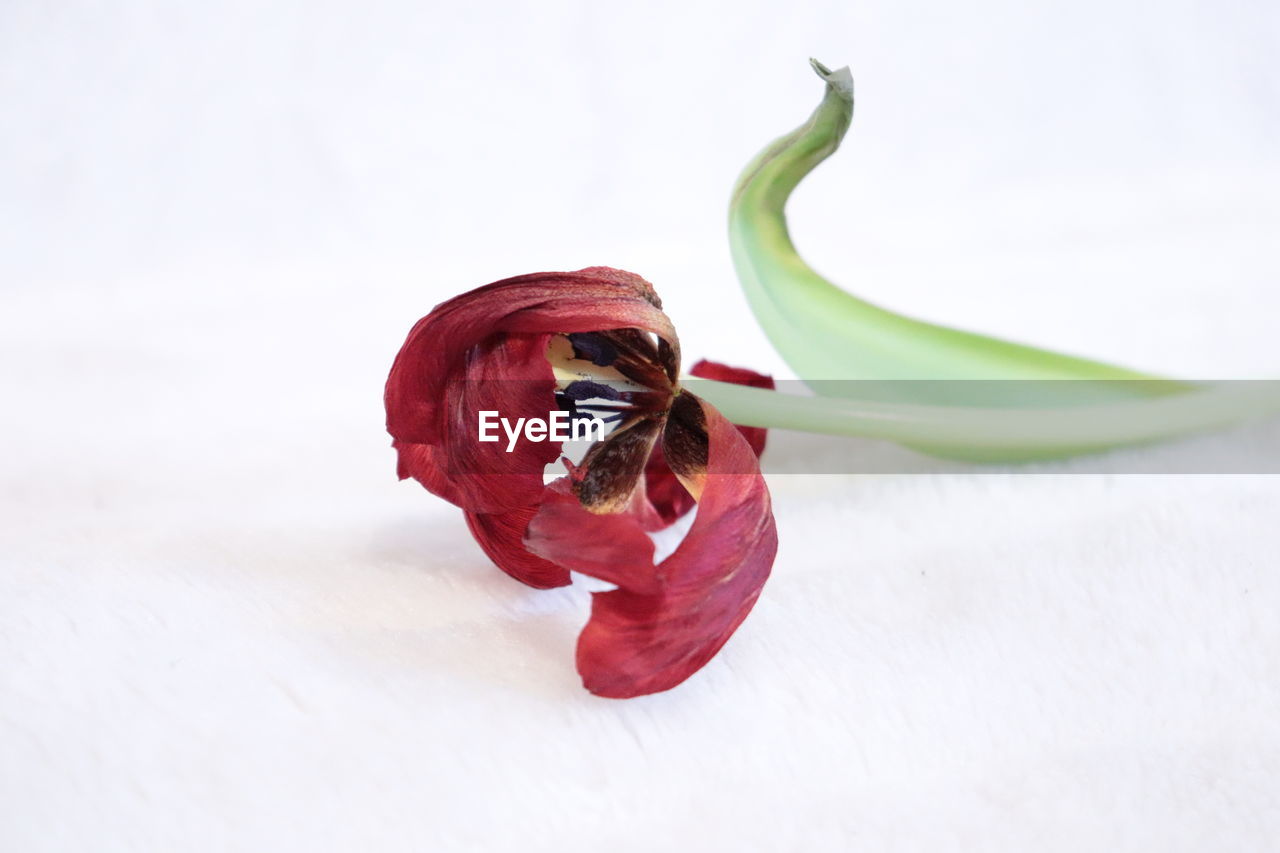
[{"x": 594, "y": 343}]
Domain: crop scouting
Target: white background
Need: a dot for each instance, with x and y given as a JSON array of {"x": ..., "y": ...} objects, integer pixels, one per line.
[{"x": 225, "y": 625}]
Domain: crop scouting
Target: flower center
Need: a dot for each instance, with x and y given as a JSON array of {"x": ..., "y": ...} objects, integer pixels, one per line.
[{"x": 615, "y": 376}]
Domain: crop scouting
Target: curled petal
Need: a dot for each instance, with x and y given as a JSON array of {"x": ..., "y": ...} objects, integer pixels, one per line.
[
  {"x": 669, "y": 498},
  {"x": 665, "y": 621},
  {"x": 486, "y": 350},
  {"x": 501, "y": 534},
  {"x": 610, "y": 546},
  {"x": 439, "y": 346},
  {"x": 507, "y": 374}
]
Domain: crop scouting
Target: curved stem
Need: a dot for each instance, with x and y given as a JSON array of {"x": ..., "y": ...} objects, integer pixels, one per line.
[{"x": 824, "y": 332}]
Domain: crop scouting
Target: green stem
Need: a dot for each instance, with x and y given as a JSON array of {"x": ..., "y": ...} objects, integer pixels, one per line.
[
  {"x": 996, "y": 434},
  {"x": 825, "y": 333}
]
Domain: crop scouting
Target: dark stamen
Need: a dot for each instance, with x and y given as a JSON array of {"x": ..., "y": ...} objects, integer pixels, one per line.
[
  {"x": 585, "y": 389},
  {"x": 594, "y": 347}
]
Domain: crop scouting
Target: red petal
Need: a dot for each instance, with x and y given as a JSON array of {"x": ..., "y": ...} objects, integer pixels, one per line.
[
  {"x": 438, "y": 347},
  {"x": 501, "y": 534},
  {"x": 664, "y": 622},
  {"x": 610, "y": 546},
  {"x": 486, "y": 350},
  {"x": 670, "y": 499},
  {"x": 508, "y": 374}
]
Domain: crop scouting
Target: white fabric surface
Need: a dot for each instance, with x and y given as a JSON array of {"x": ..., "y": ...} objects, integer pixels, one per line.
[{"x": 224, "y": 624}]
